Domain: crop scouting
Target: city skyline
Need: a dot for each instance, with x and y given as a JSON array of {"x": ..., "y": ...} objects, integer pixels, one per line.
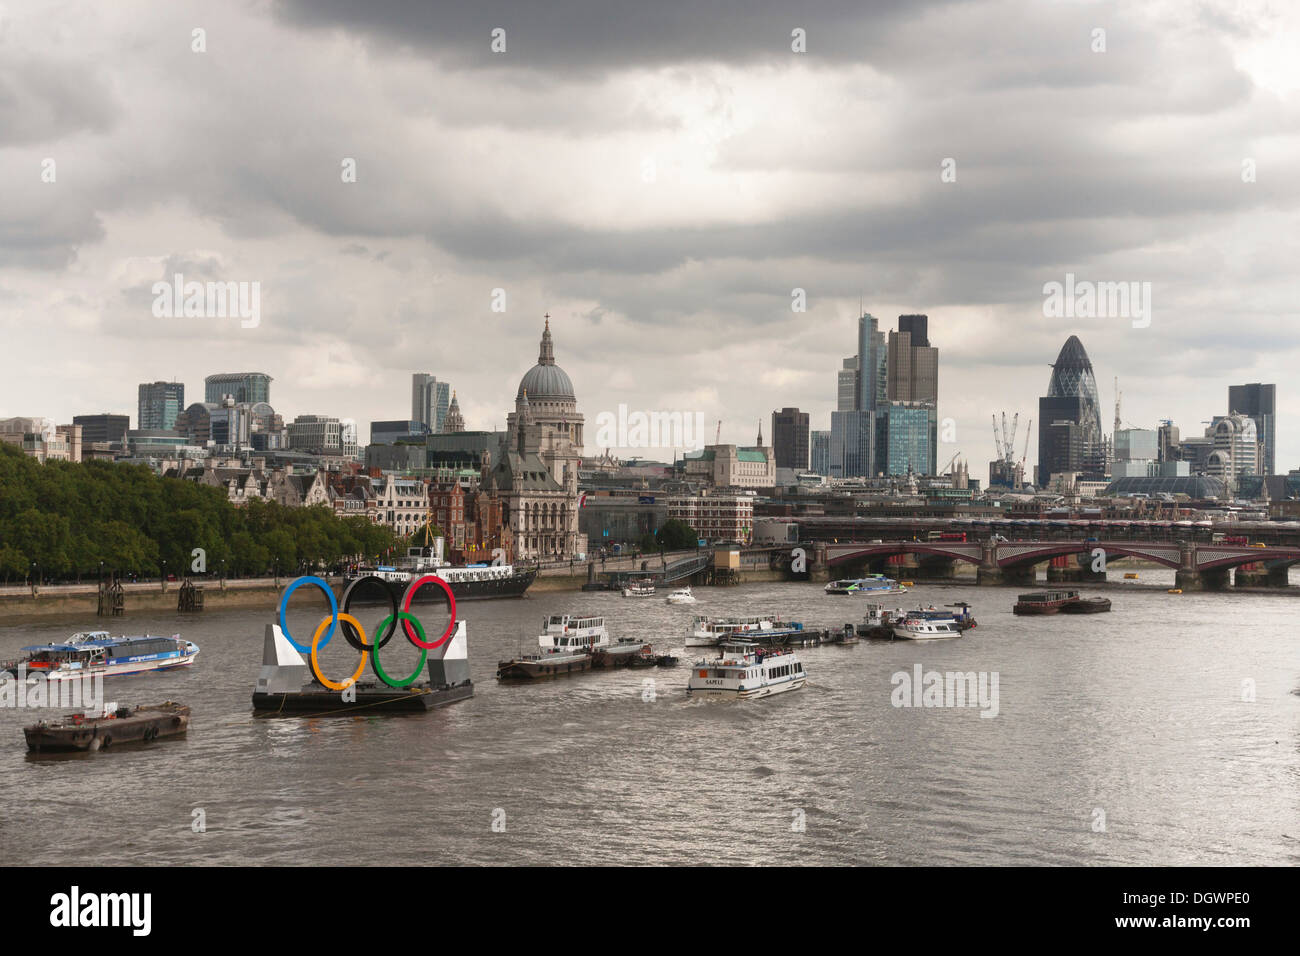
[{"x": 705, "y": 206}]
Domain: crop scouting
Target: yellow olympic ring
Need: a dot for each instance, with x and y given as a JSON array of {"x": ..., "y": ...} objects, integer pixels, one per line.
[{"x": 315, "y": 640}]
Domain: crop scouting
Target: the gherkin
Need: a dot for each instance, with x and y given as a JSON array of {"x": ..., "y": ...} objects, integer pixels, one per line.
[
  {"x": 1072, "y": 378},
  {"x": 1069, "y": 418}
]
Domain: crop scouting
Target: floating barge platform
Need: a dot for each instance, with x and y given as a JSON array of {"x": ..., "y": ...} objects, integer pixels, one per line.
[
  {"x": 118, "y": 726},
  {"x": 286, "y": 686}
]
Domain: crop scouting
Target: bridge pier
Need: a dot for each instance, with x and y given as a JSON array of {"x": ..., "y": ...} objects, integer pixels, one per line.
[
  {"x": 1266, "y": 577},
  {"x": 1215, "y": 579},
  {"x": 1073, "y": 575},
  {"x": 1020, "y": 575}
]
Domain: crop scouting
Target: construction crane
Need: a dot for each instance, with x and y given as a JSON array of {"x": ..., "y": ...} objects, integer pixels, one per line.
[
  {"x": 717, "y": 439},
  {"x": 1005, "y": 443},
  {"x": 947, "y": 469}
]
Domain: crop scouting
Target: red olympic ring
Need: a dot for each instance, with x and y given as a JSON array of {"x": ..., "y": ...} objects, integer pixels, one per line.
[{"x": 406, "y": 606}]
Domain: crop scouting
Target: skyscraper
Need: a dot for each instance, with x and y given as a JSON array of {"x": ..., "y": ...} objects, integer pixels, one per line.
[
  {"x": 820, "y": 450},
  {"x": 1259, "y": 403},
  {"x": 912, "y": 390},
  {"x": 1071, "y": 400},
  {"x": 158, "y": 405},
  {"x": 244, "y": 387},
  {"x": 430, "y": 401},
  {"x": 790, "y": 438}
]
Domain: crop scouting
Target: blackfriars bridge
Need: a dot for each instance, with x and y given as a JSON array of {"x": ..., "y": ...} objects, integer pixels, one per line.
[{"x": 1197, "y": 566}]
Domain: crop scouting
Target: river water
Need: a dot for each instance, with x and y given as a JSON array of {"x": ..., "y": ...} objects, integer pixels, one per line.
[{"x": 1122, "y": 738}]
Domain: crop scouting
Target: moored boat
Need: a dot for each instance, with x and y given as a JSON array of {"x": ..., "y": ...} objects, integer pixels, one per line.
[
  {"x": 98, "y": 654},
  {"x": 1095, "y": 605},
  {"x": 468, "y": 582},
  {"x": 113, "y": 727},
  {"x": 637, "y": 589},
  {"x": 927, "y": 625},
  {"x": 709, "y": 631},
  {"x": 743, "y": 670},
  {"x": 1044, "y": 602},
  {"x": 571, "y": 644}
]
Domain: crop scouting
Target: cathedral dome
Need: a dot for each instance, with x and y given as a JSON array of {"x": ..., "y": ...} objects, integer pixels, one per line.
[{"x": 546, "y": 380}]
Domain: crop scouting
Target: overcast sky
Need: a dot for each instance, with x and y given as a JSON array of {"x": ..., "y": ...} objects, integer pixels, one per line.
[{"x": 659, "y": 176}]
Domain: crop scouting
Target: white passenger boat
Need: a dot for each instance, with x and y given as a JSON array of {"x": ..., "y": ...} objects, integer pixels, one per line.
[
  {"x": 92, "y": 653},
  {"x": 709, "y": 631},
  {"x": 639, "y": 589},
  {"x": 568, "y": 644},
  {"x": 681, "y": 596},
  {"x": 927, "y": 625},
  {"x": 745, "y": 670}
]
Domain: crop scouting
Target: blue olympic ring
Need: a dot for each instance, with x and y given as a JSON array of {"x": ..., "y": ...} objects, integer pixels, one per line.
[{"x": 334, "y": 611}]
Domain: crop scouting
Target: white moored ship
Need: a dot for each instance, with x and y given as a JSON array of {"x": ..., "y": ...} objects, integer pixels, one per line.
[
  {"x": 709, "y": 631},
  {"x": 642, "y": 588},
  {"x": 745, "y": 670},
  {"x": 567, "y": 645}
]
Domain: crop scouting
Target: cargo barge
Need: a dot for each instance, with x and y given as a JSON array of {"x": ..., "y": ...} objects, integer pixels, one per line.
[{"x": 114, "y": 727}]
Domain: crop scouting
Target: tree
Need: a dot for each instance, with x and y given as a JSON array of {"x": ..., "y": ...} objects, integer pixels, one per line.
[{"x": 677, "y": 535}]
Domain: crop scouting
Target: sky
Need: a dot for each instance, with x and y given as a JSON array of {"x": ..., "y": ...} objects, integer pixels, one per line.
[{"x": 660, "y": 178}]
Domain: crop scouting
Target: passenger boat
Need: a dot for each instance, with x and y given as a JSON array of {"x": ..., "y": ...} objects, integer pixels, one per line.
[
  {"x": 681, "y": 596},
  {"x": 927, "y": 625},
  {"x": 1044, "y": 602},
  {"x": 114, "y": 726},
  {"x": 639, "y": 589},
  {"x": 871, "y": 584},
  {"x": 469, "y": 582},
  {"x": 1095, "y": 605},
  {"x": 744, "y": 670},
  {"x": 568, "y": 645},
  {"x": 710, "y": 631},
  {"x": 96, "y": 653}
]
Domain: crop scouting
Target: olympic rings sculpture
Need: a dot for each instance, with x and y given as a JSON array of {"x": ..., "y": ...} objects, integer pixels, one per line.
[{"x": 355, "y": 634}]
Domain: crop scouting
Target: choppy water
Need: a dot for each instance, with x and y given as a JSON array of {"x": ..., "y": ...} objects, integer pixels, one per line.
[{"x": 1137, "y": 713}]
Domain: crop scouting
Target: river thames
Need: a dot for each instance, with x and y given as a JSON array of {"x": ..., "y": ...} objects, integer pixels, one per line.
[{"x": 1165, "y": 732}]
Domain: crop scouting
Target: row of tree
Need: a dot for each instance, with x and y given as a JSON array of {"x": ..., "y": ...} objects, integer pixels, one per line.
[{"x": 65, "y": 521}]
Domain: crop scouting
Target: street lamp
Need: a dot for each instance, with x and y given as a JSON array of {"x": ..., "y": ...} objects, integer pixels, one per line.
[{"x": 164, "y": 576}]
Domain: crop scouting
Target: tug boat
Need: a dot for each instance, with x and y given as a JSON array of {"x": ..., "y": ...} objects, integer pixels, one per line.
[
  {"x": 711, "y": 631},
  {"x": 681, "y": 596},
  {"x": 871, "y": 584},
  {"x": 115, "y": 725},
  {"x": 744, "y": 670},
  {"x": 879, "y": 621},
  {"x": 96, "y": 653}
]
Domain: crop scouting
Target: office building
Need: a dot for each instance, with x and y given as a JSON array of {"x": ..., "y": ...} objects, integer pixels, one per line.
[
  {"x": 1071, "y": 400},
  {"x": 318, "y": 434},
  {"x": 391, "y": 432},
  {"x": 790, "y": 438},
  {"x": 244, "y": 387},
  {"x": 1259, "y": 402},
  {"x": 158, "y": 405},
  {"x": 103, "y": 428},
  {"x": 430, "y": 401},
  {"x": 906, "y": 433},
  {"x": 820, "y": 452}
]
